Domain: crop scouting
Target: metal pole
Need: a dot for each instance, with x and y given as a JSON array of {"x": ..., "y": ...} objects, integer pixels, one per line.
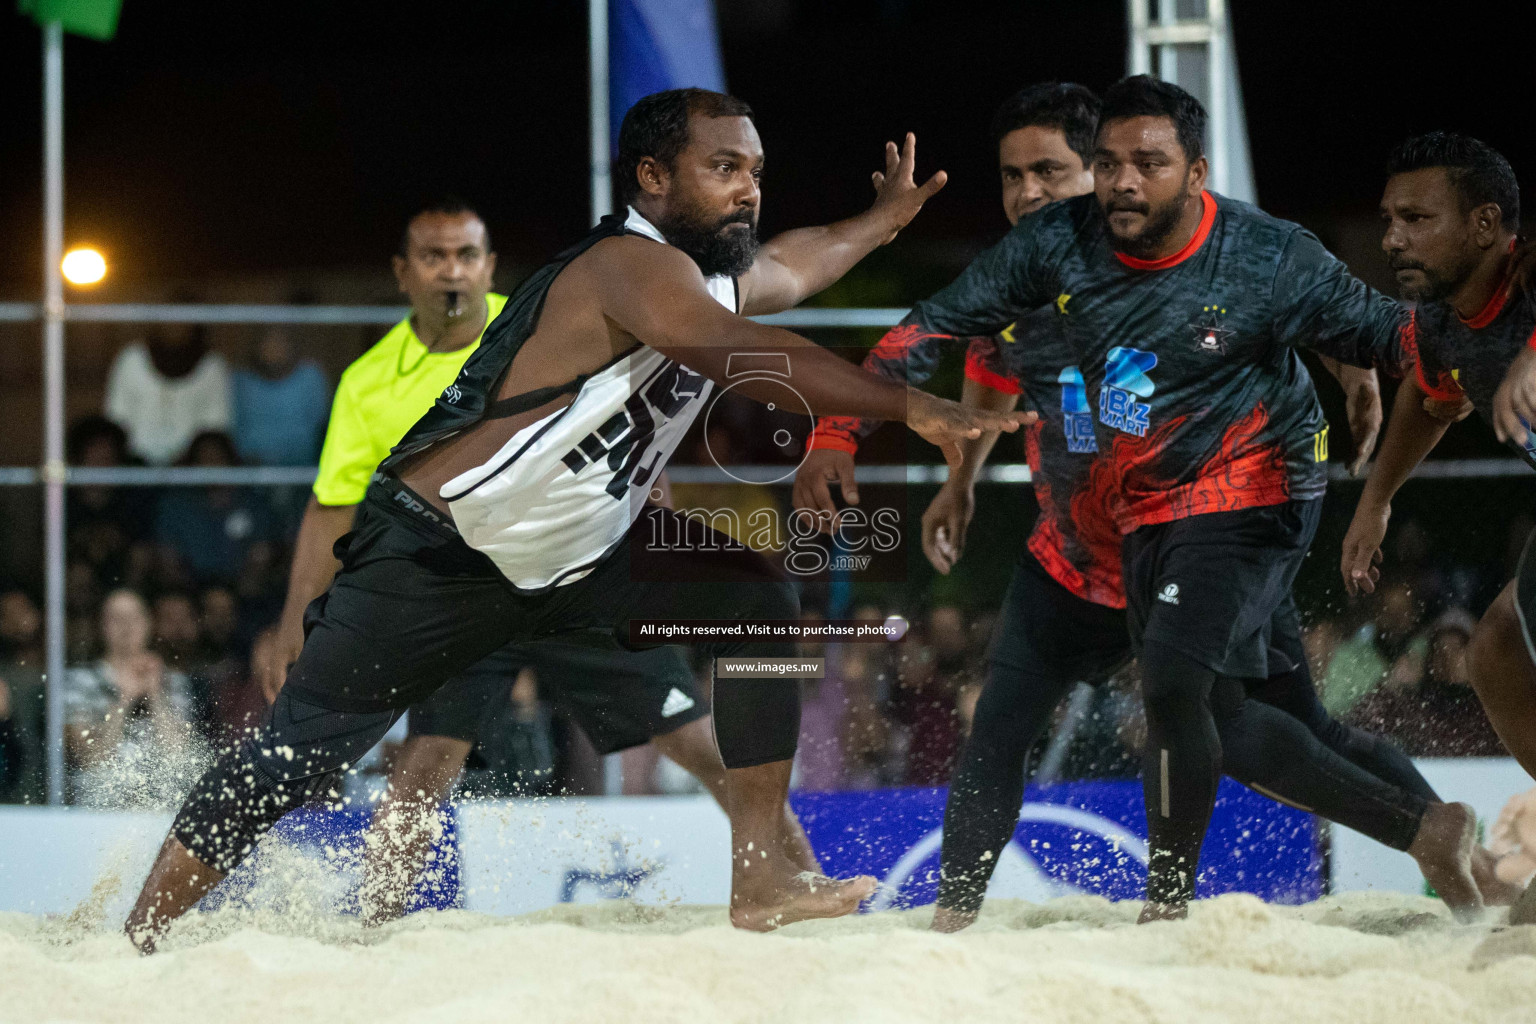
[
  {"x": 1140, "y": 57},
  {"x": 597, "y": 108},
  {"x": 602, "y": 205},
  {"x": 1220, "y": 142},
  {"x": 53, "y": 395}
]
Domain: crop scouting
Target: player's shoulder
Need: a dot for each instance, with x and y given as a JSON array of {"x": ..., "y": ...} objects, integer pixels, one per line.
[
  {"x": 1255, "y": 227},
  {"x": 1063, "y": 219}
]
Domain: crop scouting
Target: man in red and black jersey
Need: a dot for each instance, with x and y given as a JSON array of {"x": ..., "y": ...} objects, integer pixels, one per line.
[
  {"x": 1062, "y": 619},
  {"x": 1452, "y": 209},
  {"x": 1185, "y": 310}
]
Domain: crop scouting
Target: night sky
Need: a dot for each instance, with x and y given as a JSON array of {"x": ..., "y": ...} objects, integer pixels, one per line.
[{"x": 233, "y": 138}]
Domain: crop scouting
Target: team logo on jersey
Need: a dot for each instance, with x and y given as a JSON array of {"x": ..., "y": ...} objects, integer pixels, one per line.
[
  {"x": 1061, "y": 303},
  {"x": 1210, "y": 335},
  {"x": 1076, "y": 417},
  {"x": 1126, "y": 380},
  {"x": 452, "y": 394}
]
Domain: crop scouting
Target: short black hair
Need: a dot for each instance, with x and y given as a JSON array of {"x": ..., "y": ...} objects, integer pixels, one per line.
[
  {"x": 1066, "y": 106},
  {"x": 450, "y": 205},
  {"x": 1477, "y": 170},
  {"x": 657, "y": 127},
  {"x": 87, "y": 430},
  {"x": 1145, "y": 96}
]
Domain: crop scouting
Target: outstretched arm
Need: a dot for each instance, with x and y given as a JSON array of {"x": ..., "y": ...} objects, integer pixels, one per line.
[
  {"x": 657, "y": 295},
  {"x": 1362, "y": 402},
  {"x": 797, "y": 264},
  {"x": 1411, "y": 435}
]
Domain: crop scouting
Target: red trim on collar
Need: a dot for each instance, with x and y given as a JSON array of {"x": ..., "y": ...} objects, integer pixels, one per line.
[
  {"x": 1495, "y": 304},
  {"x": 1207, "y": 218}
]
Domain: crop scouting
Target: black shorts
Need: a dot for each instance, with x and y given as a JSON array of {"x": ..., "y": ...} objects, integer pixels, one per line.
[
  {"x": 620, "y": 698},
  {"x": 1045, "y": 630},
  {"x": 1525, "y": 593},
  {"x": 1210, "y": 586},
  {"x": 414, "y": 606}
]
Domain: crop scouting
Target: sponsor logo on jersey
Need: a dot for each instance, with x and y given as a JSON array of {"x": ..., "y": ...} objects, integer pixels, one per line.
[
  {"x": 1169, "y": 594},
  {"x": 1126, "y": 380},
  {"x": 452, "y": 394},
  {"x": 1210, "y": 335},
  {"x": 1061, "y": 303},
  {"x": 1076, "y": 416}
]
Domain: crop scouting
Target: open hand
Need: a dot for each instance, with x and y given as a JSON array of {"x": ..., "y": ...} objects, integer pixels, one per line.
[
  {"x": 823, "y": 466},
  {"x": 897, "y": 195},
  {"x": 945, "y": 424}
]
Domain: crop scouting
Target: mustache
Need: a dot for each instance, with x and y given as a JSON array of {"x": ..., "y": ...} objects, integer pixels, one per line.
[
  {"x": 747, "y": 217},
  {"x": 1127, "y": 206},
  {"x": 1403, "y": 263}
]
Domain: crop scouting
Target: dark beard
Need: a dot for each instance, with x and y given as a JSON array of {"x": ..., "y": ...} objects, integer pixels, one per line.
[
  {"x": 714, "y": 249},
  {"x": 1161, "y": 222},
  {"x": 1436, "y": 288}
]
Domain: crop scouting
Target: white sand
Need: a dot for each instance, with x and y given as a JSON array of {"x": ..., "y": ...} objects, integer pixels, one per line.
[{"x": 1359, "y": 959}]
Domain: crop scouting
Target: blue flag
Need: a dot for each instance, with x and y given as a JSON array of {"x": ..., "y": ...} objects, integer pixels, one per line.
[{"x": 659, "y": 44}]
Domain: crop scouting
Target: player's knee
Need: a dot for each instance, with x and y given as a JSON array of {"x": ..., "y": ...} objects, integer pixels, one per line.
[{"x": 1173, "y": 685}]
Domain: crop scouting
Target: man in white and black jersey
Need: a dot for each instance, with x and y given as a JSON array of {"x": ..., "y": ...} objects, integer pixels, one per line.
[{"x": 514, "y": 510}]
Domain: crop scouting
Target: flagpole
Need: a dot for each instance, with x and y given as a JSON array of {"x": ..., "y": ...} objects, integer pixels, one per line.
[
  {"x": 597, "y": 108},
  {"x": 53, "y": 399}
]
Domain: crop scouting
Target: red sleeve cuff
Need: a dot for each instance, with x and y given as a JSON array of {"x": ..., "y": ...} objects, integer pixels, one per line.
[
  {"x": 823, "y": 439},
  {"x": 1447, "y": 390},
  {"x": 1531, "y": 341},
  {"x": 977, "y": 370}
]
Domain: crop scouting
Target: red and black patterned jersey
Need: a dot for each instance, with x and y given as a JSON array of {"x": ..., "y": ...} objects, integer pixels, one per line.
[
  {"x": 1074, "y": 537},
  {"x": 1201, "y": 402},
  {"x": 1455, "y": 358}
]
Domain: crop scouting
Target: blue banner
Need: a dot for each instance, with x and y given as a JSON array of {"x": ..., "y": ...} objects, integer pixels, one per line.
[
  {"x": 1073, "y": 837},
  {"x": 659, "y": 44}
]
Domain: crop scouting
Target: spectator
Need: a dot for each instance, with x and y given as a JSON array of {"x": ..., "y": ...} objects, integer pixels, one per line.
[
  {"x": 23, "y": 772},
  {"x": 166, "y": 391},
  {"x": 127, "y": 716},
  {"x": 234, "y": 701},
  {"x": 1360, "y": 663},
  {"x": 280, "y": 405},
  {"x": 105, "y": 522},
  {"x": 212, "y": 528},
  {"x": 1427, "y": 703}
]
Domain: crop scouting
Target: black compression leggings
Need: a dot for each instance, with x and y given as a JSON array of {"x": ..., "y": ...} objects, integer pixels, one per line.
[
  {"x": 1199, "y": 725},
  {"x": 1016, "y": 707}
]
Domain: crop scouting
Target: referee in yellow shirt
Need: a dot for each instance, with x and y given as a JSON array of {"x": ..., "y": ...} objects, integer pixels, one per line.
[{"x": 619, "y": 698}]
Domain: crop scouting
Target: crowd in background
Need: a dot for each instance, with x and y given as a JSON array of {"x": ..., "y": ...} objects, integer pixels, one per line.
[{"x": 168, "y": 590}]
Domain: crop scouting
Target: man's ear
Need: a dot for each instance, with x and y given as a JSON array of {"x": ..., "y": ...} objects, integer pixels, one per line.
[
  {"x": 1199, "y": 171},
  {"x": 398, "y": 264},
  {"x": 1486, "y": 220},
  {"x": 652, "y": 176}
]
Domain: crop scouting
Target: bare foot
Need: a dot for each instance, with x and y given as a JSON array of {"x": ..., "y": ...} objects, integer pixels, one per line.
[
  {"x": 1524, "y": 910},
  {"x": 774, "y": 893},
  {"x": 1443, "y": 849},
  {"x": 1496, "y": 892},
  {"x": 947, "y": 920},
  {"x": 1162, "y": 912}
]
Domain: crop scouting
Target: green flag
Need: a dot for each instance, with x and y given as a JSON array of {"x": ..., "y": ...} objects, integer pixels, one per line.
[{"x": 94, "y": 18}]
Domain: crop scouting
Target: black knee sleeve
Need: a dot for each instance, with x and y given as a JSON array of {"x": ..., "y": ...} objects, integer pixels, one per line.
[
  {"x": 757, "y": 721},
  {"x": 297, "y": 755}
]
